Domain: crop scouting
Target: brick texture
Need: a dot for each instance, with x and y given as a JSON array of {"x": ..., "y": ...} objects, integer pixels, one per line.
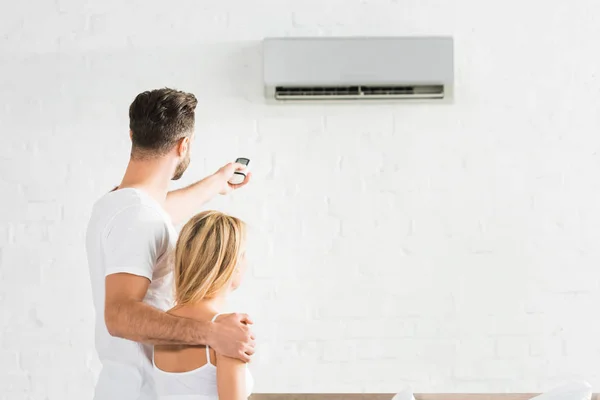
[{"x": 451, "y": 248}]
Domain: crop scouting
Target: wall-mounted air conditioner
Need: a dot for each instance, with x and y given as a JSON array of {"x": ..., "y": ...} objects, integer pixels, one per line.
[{"x": 377, "y": 68}]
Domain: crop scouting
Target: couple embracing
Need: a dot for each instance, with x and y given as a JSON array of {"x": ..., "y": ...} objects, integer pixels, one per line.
[{"x": 158, "y": 296}]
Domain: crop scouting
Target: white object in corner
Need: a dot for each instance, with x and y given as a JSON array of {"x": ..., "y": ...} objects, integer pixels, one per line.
[
  {"x": 405, "y": 394},
  {"x": 358, "y": 68},
  {"x": 570, "y": 391}
]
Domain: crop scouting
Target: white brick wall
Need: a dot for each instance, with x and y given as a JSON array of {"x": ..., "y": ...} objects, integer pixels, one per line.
[{"x": 453, "y": 248}]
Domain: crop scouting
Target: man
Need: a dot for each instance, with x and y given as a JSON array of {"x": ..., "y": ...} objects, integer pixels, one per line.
[{"x": 129, "y": 241}]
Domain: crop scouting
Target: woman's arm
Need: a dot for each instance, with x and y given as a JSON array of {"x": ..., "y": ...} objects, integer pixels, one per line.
[{"x": 231, "y": 378}]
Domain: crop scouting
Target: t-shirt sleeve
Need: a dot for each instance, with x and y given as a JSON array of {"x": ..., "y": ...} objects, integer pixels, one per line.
[{"x": 133, "y": 241}]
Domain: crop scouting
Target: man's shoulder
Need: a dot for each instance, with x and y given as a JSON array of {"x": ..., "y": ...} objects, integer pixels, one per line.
[
  {"x": 128, "y": 208},
  {"x": 128, "y": 201}
]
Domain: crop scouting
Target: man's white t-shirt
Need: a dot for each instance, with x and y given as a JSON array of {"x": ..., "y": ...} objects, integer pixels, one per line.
[{"x": 128, "y": 232}]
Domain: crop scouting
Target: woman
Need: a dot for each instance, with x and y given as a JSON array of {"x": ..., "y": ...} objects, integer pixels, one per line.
[{"x": 210, "y": 261}]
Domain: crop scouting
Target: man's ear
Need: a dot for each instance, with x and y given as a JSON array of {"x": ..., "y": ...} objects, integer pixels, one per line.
[
  {"x": 131, "y": 135},
  {"x": 183, "y": 145}
]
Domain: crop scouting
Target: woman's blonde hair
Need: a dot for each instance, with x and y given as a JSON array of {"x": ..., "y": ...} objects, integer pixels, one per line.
[{"x": 207, "y": 253}]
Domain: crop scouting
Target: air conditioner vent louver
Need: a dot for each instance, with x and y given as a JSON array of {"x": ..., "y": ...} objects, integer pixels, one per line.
[{"x": 359, "y": 92}]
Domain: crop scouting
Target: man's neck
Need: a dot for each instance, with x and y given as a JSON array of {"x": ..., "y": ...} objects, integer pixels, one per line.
[{"x": 152, "y": 176}]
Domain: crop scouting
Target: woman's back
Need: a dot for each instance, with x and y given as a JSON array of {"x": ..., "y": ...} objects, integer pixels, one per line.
[
  {"x": 190, "y": 373},
  {"x": 210, "y": 262}
]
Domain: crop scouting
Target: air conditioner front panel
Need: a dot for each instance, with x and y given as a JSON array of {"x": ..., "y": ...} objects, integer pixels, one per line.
[{"x": 358, "y": 61}]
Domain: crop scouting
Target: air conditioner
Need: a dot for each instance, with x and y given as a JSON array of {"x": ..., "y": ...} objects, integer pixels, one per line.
[{"x": 377, "y": 68}]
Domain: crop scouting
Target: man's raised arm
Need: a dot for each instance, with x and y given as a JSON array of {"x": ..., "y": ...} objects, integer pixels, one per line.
[{"x": 183, "y": 203}]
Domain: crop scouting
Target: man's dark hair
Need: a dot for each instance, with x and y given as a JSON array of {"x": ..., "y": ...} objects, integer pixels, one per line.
[{"x": 159, "y": 118}]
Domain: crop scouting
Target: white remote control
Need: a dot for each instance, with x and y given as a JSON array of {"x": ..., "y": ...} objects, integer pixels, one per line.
[{"x": 240, "y": 176}]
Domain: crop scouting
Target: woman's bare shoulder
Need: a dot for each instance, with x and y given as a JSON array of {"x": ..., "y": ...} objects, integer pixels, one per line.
[{"x": 196, "y": 312}]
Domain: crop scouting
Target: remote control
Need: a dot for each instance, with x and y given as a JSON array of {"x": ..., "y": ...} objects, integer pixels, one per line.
[{"x": 240, "y": 176}]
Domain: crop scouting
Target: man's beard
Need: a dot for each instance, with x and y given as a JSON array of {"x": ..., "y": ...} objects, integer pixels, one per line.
[{"x": 181, "y": 167}]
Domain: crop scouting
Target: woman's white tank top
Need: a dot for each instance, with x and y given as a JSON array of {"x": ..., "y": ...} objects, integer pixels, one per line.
[{"x": 197, "y": 384}]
